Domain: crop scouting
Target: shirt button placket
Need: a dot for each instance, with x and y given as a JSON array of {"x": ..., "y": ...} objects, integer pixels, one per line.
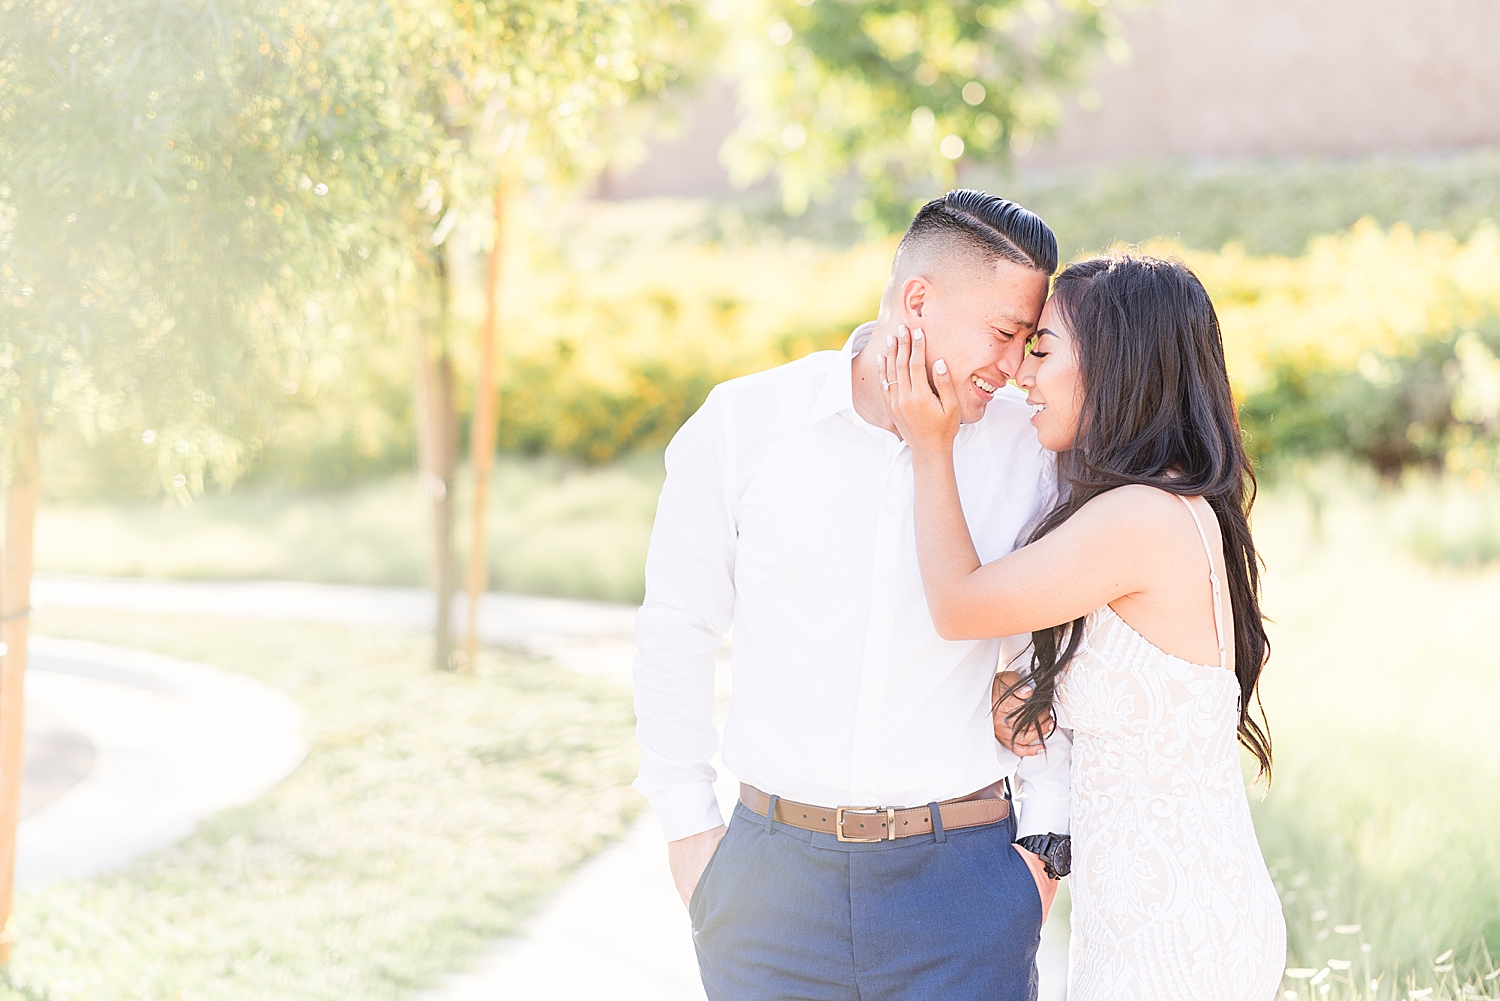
[{"x": 875, "y": 670}]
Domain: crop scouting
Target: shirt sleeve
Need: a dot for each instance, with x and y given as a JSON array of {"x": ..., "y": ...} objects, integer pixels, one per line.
[
  {"x": 689, "y": 607},
  {"x": 1043, "y": 790},
  {"x": 1043, "y": 787}
]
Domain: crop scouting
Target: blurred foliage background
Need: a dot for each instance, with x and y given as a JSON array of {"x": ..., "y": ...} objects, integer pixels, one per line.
[
  {"x": 250, "y": 244},
  {"x": 224, "y": 227},
  {"x": 1374, "y": 338}
]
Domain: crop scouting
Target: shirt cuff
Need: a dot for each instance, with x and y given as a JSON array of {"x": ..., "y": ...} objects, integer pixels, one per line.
[
  {"x": 1041, "y": 816},
  {"x": 686, "y": 810}
]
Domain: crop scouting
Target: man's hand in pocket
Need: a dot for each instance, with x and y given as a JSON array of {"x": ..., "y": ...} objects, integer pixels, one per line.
[
  {"x": 689, "y": 856},
  {"x": 1046, "y": 886}
]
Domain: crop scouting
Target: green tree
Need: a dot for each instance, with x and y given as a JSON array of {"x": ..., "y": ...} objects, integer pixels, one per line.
[
  {"x": 899, "y": 93},
  {"x": 518, "y": 93},
  {"x": 187, "y": 189}
]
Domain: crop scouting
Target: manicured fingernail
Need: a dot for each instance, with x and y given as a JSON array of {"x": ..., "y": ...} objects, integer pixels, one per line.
[
  {"x": 916, "y": 335},
  {"x": 1024, "y": 692},
  {"x": 890, "y": 341},
  {"x": 940, "y": 367}
]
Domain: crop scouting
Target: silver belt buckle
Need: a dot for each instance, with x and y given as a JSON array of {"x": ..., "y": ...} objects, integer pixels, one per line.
[{"x": 869, "y": 811}]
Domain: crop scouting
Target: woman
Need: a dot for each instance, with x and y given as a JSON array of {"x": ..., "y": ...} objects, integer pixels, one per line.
[{"x": 1156, "y": 662}]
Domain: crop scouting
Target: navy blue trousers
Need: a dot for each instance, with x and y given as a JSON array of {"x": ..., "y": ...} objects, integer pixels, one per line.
[{"x": 783, "y": 914}]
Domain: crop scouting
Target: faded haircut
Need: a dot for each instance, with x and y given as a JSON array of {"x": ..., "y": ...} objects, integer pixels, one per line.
[{"x": 989, "y": 227}]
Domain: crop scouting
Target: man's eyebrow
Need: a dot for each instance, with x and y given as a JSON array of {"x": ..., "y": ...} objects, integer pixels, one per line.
[{"x": 1017, "y": 320}]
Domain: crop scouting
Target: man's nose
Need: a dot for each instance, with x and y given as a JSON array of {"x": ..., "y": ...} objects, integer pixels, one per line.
[{"x": 1014, "y": 359}]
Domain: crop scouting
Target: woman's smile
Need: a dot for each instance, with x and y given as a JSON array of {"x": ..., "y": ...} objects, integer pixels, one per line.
[{"x": 1051, "y": 367}]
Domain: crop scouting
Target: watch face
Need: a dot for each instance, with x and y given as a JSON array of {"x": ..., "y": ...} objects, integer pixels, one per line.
[
  {"x": 1056, "y": 850},
  {"x": 1062, "y": 856}
]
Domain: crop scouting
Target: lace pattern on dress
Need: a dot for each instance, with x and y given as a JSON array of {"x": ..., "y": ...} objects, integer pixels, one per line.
[{"x": 1171, "y": 896}]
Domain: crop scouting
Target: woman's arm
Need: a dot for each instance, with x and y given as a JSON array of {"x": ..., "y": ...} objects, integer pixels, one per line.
[
  {"x": 1091, "y": 559},
  {"x": 945, "y": 549}
]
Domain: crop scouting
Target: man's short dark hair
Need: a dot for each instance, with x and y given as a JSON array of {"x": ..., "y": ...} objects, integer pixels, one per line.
[{"x": 994, "y": 227}]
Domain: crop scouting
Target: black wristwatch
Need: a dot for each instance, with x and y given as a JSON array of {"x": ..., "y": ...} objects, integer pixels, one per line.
[{"x": 1055, "y": 851}]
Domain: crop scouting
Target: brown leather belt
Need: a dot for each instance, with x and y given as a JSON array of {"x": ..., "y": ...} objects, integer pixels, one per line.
[{"x": 881, "y": 823}]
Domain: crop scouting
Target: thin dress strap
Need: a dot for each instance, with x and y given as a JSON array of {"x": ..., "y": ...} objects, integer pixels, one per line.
[{"x": 1213, "y": 578}]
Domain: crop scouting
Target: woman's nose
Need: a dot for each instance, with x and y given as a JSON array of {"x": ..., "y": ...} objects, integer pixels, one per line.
[{"x": 1026, "y": 377}]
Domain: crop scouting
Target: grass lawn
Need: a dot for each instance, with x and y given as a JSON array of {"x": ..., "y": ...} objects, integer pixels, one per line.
[
  {"x": 432, "y": 814},
  {"x": 1383, "y": 692},
  {"x": 555, "y": 527}
]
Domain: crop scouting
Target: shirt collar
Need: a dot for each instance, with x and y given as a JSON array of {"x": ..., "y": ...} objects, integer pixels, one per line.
[{"x": 837, "y": 395}]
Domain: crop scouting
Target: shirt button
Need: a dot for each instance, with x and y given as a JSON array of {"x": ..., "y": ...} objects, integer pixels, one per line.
[{"x": 890, "y": 509}]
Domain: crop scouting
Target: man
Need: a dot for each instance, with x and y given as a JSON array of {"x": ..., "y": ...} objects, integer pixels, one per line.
[{"x": 870, "y": 857}]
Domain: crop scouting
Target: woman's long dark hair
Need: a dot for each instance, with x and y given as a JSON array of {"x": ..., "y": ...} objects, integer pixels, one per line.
[{"x": 1157, "y": 409}]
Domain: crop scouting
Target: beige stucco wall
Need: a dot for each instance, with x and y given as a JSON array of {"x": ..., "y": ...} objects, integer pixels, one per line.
[
  {"x": 1225, "y": 78},
  {"x": 1266, "y": 77}
]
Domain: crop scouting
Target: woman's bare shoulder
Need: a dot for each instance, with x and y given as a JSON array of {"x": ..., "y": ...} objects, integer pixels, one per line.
[{"x": 1137, "y": 510}]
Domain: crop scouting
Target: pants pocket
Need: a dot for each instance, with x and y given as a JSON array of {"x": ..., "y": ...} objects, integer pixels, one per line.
[
  {"x": 1035, "y": 896},
  {"x": 695, "y": 902}
]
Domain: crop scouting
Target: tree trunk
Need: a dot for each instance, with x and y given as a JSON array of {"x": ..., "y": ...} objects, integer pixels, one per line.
[
  {"x": 15, "y": 610},
  {"x": 445, "y": 572},
  {"x": 437, "y": 446},
  {"x": 482, "y": 432}
]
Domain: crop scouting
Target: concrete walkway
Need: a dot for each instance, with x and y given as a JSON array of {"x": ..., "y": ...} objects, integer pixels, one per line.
[
  {"x": 588, "y": 636},
  {"x": 128, "y": 750},
  {"x": 617, "y": 929},
  {"x": 56, "y": 756}
]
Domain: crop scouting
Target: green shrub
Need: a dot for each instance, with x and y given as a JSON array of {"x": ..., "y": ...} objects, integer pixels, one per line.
[
  {"x": 1382, "y": 344},
  {"x": 1377, "y": 344},
  {"x": 1399, "y": 413}
]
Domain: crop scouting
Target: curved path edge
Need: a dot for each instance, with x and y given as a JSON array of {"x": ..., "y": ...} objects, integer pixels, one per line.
[
  {"x": 174, "y": 742},
  {"x": 616, "y": 928}
]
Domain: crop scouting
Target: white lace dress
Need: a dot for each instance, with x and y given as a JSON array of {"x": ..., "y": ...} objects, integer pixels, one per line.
[{"x": 1171, "y": 897}]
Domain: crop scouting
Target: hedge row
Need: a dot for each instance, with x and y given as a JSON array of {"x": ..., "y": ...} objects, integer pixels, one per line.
[{"x": 1380, "y": 344}]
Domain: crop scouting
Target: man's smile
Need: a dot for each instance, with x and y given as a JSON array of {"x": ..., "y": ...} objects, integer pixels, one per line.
[{"x": 987, "y": 389}]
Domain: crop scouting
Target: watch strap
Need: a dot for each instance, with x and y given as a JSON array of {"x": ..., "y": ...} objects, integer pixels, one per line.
[{"x": 1055, "y": 851}]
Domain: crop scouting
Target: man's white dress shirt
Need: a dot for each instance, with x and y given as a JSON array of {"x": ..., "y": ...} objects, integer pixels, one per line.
[{"x": 788, "y": 518}]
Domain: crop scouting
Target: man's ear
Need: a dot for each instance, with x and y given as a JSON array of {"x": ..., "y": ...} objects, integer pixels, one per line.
[{"x": 916, "y": 296}]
